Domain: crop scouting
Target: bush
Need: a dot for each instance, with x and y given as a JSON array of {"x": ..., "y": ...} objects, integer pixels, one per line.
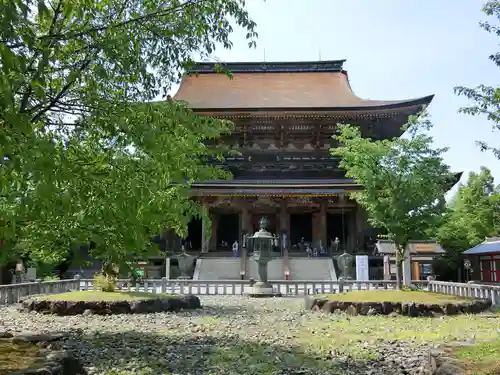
[
  {"x": 104, "y": 283},
  {"x": 51, "y": 277}
]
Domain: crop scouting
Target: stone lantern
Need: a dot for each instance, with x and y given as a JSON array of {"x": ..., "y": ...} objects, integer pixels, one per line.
[
  {"x": 185, "y": 264},
  {"x": 261, "y": 246},
  {"x": 345, "y": 265}
]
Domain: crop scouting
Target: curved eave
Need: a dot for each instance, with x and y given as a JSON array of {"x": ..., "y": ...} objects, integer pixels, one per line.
[
  {"x": 456, "y": 177},
  {"x": 395, "y": 106}
]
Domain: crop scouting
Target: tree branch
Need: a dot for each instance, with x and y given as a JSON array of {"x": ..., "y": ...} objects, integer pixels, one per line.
[
  {"x": 159, "y": 13},
  {"x": 66, "y": 87},
  {"x": 29, "y": 89}
]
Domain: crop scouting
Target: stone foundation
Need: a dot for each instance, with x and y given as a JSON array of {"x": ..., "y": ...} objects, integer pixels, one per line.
[
  {"x": 386, "y": 308},
  {"x": 63, "y": 308}
]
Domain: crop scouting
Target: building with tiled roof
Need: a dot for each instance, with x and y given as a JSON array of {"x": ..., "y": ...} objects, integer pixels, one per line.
[
  {"x": 285, "y": 114},
  {"x": 485, "y": 260}
]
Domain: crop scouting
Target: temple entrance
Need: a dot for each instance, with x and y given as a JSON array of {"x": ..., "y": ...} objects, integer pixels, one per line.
[
  {"x": 300, "y": 227},
  {"x": 336, "y": 227},
  {"x": 228, "y": 231},
  {"x": 193, "y": 240}
]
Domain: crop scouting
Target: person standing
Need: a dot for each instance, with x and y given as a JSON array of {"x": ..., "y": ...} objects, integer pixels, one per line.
[{"x": 235, "y": 248}]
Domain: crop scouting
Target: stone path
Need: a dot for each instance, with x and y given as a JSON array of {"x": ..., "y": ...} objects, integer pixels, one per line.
[{"x": 231, "y": 335}]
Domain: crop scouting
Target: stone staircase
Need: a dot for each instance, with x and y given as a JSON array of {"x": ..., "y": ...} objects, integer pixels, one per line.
[
  {"x": 314, "y": 269},
  {"x": 217, "y": 269},
  {"x": 275, "y": 270},
  {"x": 301, "y": 268}
]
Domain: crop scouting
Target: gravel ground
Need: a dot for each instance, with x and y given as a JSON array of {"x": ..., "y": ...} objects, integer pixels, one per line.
[{"x": 230, "y": 335}]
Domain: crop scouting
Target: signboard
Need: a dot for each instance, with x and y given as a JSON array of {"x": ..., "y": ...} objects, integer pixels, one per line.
[
  {"x": 362, "y": 268},
  {"x": 424, "y": 247}
]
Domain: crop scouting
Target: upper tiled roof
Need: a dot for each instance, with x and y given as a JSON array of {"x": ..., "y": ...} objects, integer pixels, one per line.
[{"x": 304, "y": 85}]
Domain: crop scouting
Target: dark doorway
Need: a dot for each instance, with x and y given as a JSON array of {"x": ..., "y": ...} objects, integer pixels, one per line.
[
  {"x": 337, "y": 227},
  {"x": 300, "y": 227},
  {"x": 193, "y": 239},
  {"x": 228, "y": 231}
]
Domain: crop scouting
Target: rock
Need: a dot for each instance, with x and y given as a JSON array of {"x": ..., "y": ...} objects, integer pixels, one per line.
[
  {"x": 5, "y": 335},
  {"x": 351, "y": 310},
  {"x": 87, "y": 312},
  {"x": 449, "y": 369},
  {"x": 372, "y": 312},
  {"x": 35, "y": 338}
]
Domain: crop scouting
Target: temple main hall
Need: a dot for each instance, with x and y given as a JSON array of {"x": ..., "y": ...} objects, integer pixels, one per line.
[{"x": 285, "y": 114}]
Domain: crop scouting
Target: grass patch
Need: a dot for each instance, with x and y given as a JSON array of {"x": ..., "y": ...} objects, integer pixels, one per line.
[
  {"x": 15, "y": 358},
  {"x": 92, "y": 295},
  {"x": 480, "y": 359},
  {"x": 350, "y": 335},
  {"x": 395, "y": 296}
]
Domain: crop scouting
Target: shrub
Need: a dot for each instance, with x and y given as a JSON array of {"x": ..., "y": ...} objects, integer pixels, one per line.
[
  {"x": 51, "y": 277},
  {"x": 104, "y": 283}
]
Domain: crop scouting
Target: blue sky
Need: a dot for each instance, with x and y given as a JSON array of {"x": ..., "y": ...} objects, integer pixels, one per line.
[{"x": 395, "y": 50}]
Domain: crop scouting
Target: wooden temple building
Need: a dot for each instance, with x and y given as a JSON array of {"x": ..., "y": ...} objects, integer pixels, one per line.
[{"x": 285, "y": 114}]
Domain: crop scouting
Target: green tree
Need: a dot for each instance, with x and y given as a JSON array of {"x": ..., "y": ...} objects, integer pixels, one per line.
[
  {"x": 485, "y": 96},
  {"x": 472, "y": 215},
  {"x": 404, "y": 181},
  {"x": 86, "y": 153}
]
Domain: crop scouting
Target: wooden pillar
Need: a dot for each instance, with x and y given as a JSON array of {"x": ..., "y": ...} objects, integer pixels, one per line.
[
  {"x": 360, "y": 228},
  {"x": 246, "y": 220},
  {"x": 322, "y": 224},
  {"x": 284, "y": 218},
  {"x": 215, "y": 222},
  {"x": 416, "y": 270},
  {"x": 284, "y": 225},
  {"x": 205, "y": 239}
]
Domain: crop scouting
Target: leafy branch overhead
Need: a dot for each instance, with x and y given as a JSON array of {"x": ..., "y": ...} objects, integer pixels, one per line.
[
  {"x": 86, "y": 154},
  {"x": 486, "y": 97}
]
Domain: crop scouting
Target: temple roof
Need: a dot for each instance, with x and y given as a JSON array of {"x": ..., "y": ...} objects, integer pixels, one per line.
[
  {"x": 315, "y": 183},
  {"x": 320, "y": 85},
  {"x": 490, "y": 246},
  {"x": 316, "y": 187},
  {"x": 415, "y": 247}
]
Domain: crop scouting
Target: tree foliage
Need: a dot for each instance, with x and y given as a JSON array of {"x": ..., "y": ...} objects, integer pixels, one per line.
[
  {"x": 86, "y": 153},
  {"x": 485, "y": 96},
  {"x": 472, "y": 215},
  {"x": 403, "y": 181}
]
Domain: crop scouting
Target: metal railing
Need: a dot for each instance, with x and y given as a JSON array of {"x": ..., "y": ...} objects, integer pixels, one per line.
[{"x": 13, "y": 293}]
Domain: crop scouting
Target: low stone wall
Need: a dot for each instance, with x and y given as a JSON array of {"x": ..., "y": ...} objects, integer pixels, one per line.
[
  {"x": 400, "y": 308},
  {"x": 111, "y": 307}
]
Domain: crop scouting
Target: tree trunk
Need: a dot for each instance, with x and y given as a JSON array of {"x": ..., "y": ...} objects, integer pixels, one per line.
[
  {"x": 399, "y": 265},
  {"x": 399, "y": 274}
]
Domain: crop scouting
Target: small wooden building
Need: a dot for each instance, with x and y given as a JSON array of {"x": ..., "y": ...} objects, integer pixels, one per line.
[
  {"x": 485, "y": 260},
  {"x": 422, "y": 255}
]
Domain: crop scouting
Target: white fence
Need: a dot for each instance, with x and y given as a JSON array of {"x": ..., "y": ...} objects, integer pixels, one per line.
[
  {"x": 13, "y": 293},
  {"x": 491, "y": 292}
]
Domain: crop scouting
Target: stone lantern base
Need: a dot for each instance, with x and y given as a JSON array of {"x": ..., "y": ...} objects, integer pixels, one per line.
[{"x": 262, "y": 290}]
